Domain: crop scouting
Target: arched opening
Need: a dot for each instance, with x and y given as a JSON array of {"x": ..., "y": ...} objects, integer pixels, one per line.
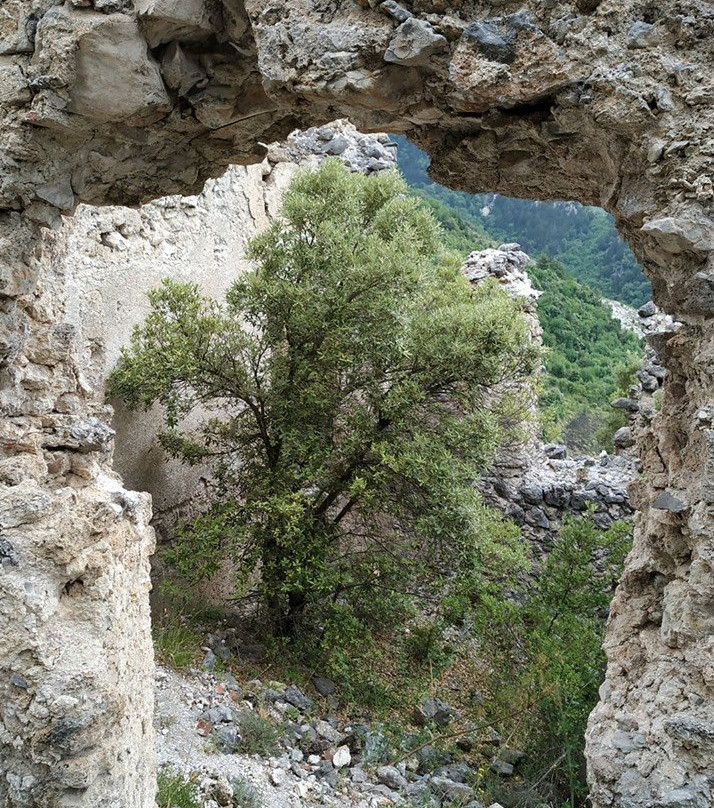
[{"x": 604, "y": 103}]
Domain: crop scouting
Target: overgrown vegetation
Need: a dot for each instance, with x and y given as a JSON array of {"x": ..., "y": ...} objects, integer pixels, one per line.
[
  {"x": 175, "y": 641},
  {"x": 352, "y": 390},
  {"x": 544, "y": 647},
  {"x": 258, "y": 735},
  {"x": 177, "y": 790},
  {"x": 244, "y": 795},
  {"x": 588, "y": 353}
]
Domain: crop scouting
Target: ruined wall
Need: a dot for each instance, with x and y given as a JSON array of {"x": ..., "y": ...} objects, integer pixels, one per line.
[
  {"x": 113, "y": 101},
  {"x": 110, "y": 257},
  {"x": 75, "y": 689}
]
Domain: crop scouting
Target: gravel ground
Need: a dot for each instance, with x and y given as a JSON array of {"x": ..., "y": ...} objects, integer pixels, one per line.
[{"x": 180, "y": 699}]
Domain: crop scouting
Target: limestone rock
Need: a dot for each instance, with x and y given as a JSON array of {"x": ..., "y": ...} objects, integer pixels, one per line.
[
  {"x": 395, "y": 10},
  {"x": 341, "y": 757},
  {"x": 450, "y": 791},
  {"x": 667, "y": 501},
  {"x": 642, "y": 35},
  {"x": 490, "y": 42},
  {"x": 116, "y": 79},
  {"x": 414, "y": 43},
  {"x": 178, "y": 20}
]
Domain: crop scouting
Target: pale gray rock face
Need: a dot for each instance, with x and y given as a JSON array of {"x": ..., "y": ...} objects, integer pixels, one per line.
[
  {"x": 414, "y": 43},
  {"x": 92, "y": 276},
  {"x": 547, "y": 100}
]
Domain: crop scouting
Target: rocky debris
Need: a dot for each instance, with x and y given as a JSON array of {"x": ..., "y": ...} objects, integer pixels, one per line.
[
  {"x": 646, "y": 320},
  {"x": 667, "y": 501},
  {"x": 324, "y": 686},
  {"x": 507, "y": 265},
  {"x": 491, "y": 42},
  {"x": 341, "y": 757},
  {"x": 395, "y": 11},
  {"x": 506, "y": 760},
  {"x": 623, "y": 438},
  {"x": 367, "y": 154},
  {"x": 434, "y": 711},
  {"x": 642, "y": 35},
  {"x": 8, "y": 558},
  {"x": 655, "y": 327},
  {"x": 198, "y": 733},
  {"x": 555, "y": 451},
  {"x": 451, "y": 792},
  {"x": 84, "y": 435},
  {"x": 624, "y": 403},
  {"x": 298, "y": 699},
  {"x": 551, "y": 488}
]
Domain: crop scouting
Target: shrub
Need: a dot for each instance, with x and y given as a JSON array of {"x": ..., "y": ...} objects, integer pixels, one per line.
[
  {"x": 424, "y": 644},
  {"x": 545, "y": 649},
  {"x": 244, "y": 795},
  {"x": 258, "y": 735},
  {"x": 175, "y": 790}
]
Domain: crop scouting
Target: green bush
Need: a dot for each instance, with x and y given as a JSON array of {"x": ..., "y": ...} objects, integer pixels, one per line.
[
  {"x": 590, "y": 358},
  {"x": 545, "y": 649},
  {"x": 424, "y": 645},
  {"x": 258, "y": 735},
  {"x": 176, "y": 790}
]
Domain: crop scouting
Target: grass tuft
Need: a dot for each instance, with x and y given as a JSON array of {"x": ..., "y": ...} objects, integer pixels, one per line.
[
  {"x": 176, "y": 644},
  {"x": 175, "y": 790}
]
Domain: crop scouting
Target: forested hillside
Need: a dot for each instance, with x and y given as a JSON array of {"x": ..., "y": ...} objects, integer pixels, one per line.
[
  {"x": 589, "y": 356},
  {"x": 583, "y": 238}
]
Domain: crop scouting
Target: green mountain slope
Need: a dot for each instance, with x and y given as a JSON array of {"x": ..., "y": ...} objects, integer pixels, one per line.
[
  {"x": 583, "y": 238},
  {"x": 588, "y": 357},
  {"x": 588, "y": 353}
]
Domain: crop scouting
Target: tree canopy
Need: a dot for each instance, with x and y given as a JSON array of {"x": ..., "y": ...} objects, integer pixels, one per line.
[{"x": 349, "y": 388}]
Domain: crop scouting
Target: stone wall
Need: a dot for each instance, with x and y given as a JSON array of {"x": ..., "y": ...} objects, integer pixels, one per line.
[
  {"x": 610, "y": 102},
  {"x": 75, "y": 545},
  {"x": 112, "y": 256}
]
